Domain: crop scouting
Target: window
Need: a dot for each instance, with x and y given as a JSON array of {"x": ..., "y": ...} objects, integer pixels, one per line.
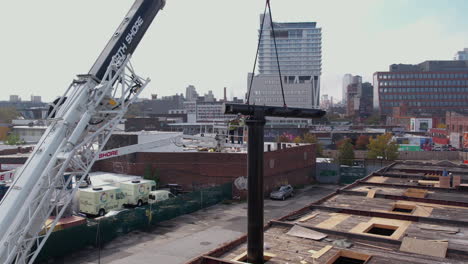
[{"x": 381, "y": 230}]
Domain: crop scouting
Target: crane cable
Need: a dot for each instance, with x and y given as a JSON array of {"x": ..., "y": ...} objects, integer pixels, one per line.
[{"x": 267, "y": 5}]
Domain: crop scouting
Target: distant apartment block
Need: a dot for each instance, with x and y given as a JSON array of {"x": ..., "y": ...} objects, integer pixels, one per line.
[
  {"x": 326, "y": 102},
  {"x": 300, "y": 57},
  {"x": 462, "y": 55},
  {"x": 351, "y": 95},
  {"x": 358, "y": 97},
  {"x": 428, "y": 88},
  {"x": 347, "y": 80},
  {"x": 15, "y": 98},
  {"x": 191, "y": 93},
  {"x": 158, "y": 106},
  {"x": 36, "y": 99}
]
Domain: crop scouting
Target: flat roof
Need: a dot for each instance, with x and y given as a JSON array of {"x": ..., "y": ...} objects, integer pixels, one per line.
[{"x": 386, "y": 217}]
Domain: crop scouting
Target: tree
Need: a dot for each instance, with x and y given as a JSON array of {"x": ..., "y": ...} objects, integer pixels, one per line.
[
  {"x": 13, "y": 139},
  {"x": 8, "y": 113},
  {"x": 374, "y": 119},
  {"x": 341, "y": 142},
  {"x": 148, "y": 174},
  {"x": 156, "y": 176},
  {"x": 346, "y": 153},
  {"x": 283, "y": 139},
  {"x": 382, "y": 147},
  {"x": 297, "y": 139},
  {"x": 362, "y": 142},
  {"x": 312, "y": 139}
]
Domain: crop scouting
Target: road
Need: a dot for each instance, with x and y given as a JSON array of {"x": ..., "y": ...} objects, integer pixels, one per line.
[{"x": 178, "y": 240}]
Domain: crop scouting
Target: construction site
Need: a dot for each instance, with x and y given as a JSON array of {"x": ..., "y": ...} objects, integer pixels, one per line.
[
  {"x": 95, "y": 187},
  {"x": 404, "y": 213}
]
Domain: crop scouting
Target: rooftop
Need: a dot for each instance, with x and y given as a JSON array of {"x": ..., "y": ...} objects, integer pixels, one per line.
[{"x": 404, "y": 213}]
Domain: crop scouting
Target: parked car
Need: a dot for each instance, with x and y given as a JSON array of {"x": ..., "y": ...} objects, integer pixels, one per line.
[
  {"x": 283, "y": 192},
  {"x": 159, "y": 195},
  {"x": 175, "y": 189},
  {"x": 437, "y": 149}
]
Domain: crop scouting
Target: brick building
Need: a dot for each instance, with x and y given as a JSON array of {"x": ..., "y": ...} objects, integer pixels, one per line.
[
  {"x": 457, "y": 126},
  {"x": 431, "y": 87},
  {"x": 293, "y": 165},
  {"x": 456, "y": 122}
]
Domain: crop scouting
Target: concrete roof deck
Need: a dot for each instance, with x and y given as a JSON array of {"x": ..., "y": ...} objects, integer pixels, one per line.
[{"x": 432, "y": 216}]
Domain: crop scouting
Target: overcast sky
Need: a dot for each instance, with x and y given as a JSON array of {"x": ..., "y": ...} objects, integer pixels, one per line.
[{"x": 211, "y": 43}]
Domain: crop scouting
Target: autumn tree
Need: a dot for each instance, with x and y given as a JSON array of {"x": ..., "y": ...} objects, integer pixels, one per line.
[
  {"x": 283, "y": 139},
  {"x": 312, "y": 139},
  {"x": 341, "y": 142},
  {"x": 382, "y": 146},
  {"x": 297, "y": 139},
  {"x": 346, "y": 153},
  {"x": 362, "y": 142}
]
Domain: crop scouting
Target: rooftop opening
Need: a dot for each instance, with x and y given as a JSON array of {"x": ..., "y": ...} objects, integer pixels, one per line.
[
  {"x": 404, "y": 208},
  {"x": 346, "y": 260},
  {"x": 381, "y": 230},
  {"x": 349, "y": 257}
]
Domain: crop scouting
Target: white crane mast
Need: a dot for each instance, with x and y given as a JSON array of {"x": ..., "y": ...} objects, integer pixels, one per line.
[
  {"x": 85, "y": 120},
  {"x": 82, "y": 122}
]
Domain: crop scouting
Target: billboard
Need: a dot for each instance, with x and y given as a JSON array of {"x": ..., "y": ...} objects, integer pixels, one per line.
[
  {"x": 421, "y": 124},
  {"x": 7, "y": 175},
  {"x": 465, "y": 140},
  {"x": 455, "y": 140}
]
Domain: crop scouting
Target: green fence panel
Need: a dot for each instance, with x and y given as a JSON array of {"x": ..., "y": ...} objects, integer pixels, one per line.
[{"x": 64, "y": 242}]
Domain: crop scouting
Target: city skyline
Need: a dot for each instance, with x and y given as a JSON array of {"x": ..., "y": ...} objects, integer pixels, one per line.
[{"x": 358, "y": 37}]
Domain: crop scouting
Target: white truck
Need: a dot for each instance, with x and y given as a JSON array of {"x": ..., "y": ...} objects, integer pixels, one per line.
[
  {"x": 101, "y": 200},
  {"x": 137, "y": 191}
]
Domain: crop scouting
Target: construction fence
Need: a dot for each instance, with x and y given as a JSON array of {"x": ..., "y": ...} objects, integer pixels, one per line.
[
  {"x": 103, "y": 230},
  {"x": 334, "y": 173}
]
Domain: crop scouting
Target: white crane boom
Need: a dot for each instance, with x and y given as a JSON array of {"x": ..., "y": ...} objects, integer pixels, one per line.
[{"x": 83, "y": 118}]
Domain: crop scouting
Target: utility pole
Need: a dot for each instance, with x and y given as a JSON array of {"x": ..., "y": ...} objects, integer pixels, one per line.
[{"x": 256, "y": 123}]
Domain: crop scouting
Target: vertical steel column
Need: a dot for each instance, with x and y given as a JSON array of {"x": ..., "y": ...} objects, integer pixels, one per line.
[{"x": 255, "y": 124}]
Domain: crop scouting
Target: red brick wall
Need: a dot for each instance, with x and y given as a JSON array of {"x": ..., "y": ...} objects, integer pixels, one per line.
[{"x": 295, "y": 165}]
